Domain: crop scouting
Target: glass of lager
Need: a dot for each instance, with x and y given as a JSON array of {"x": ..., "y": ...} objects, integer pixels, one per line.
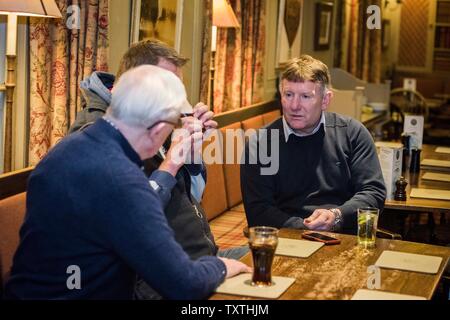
[{"x": 367, "y": 226}]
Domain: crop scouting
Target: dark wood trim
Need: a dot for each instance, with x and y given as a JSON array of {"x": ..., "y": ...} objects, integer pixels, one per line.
[
  {"x": 14, "y": 182},
  {"x": 229, "y": 117}
]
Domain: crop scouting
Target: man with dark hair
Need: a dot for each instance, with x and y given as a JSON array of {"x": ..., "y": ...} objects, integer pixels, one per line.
[
  {"x": 328, "y": 165},
  {"x": 180, "y": 186}
]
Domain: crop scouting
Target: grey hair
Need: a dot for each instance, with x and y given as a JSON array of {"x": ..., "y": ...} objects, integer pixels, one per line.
[{"x": 146, "y": 95}]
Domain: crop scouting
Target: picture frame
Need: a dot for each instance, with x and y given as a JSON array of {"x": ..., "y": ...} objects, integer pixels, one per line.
[
  {"x": 157, "y": 19},
  {"x": 290, "y": 20},
  {"x": 323, "y": 25}
]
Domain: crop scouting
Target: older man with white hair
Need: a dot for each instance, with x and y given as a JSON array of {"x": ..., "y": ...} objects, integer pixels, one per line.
[{"x": 92, "y": 225}]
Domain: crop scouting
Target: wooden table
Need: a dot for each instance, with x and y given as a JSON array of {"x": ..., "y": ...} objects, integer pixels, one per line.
[
  {"x": 415, "y": 181},
  {"x": 337, "y": 272}
]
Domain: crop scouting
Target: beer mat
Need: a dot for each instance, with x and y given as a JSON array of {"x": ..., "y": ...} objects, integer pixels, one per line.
[
  {"x": 297, "y": 248},
  {"x": 409, "y": 262},
  {"x": 435, "y": 163},
  {"x": 386, "y": 144},
  {"x": 436, "y": 176},
  {"x": 430, "y": 194},
  {"x": 240, "y": 285},
  {"x": 442, "y": 150},
  {"x": 365, "y": 294}
]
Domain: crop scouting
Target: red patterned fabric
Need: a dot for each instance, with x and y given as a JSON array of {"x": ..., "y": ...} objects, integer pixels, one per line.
[
  {"x": 228, "y": 229},
  {"x": 59, "y": 59},
  {"x": 362, "y": 46},
  {"x": 239, "y": 59}
]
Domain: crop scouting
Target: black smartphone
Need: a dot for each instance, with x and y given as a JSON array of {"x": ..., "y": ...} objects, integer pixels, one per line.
[{"x": 316, "y": 236}]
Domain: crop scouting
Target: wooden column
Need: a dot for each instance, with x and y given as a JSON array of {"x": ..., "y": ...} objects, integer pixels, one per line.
[{"x": 10, "y": 86}]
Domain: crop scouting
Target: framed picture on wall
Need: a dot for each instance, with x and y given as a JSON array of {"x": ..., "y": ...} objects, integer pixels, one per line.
[
  {"x": 290, "y": 20},
  {"x": 323, "y": 24},
  {"x": 157, "y": 19}
]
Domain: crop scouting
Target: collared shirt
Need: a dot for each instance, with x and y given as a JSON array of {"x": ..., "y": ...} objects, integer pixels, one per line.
[{"x": 288, "y": 130}]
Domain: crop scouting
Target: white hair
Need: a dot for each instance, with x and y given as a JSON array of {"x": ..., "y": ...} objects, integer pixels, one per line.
[{"x": 146, "y": 95}]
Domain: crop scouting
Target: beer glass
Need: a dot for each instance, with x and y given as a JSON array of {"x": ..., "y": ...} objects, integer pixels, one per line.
[
  {"x": 367, "y": 226},
  {"x": 262, "y": 241}
]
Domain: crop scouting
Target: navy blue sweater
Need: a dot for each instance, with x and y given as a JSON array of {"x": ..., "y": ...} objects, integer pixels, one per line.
[
  {"x": 90, "y": 205},
  {"x": 334, "y": 168}
]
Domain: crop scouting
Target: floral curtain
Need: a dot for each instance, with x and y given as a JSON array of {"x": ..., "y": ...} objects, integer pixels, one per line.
[
  {"x": 239, "y": 58},
  {"x": 61, "y": 55},
  {"x": 206, "y": 51},
  {"x": 363, "y": 46}
]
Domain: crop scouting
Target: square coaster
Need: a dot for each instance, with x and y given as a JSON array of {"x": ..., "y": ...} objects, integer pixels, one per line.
[
  {"x": 436, "y": 176},
  {"x": 435, "y": 163},
  {"x": 409, "y": 262},
  {"x": 297, "y": 248},
  {"x": 365, "y": 294},
  {"x": 241, "y": 285},
  {"x": 442, "y": 150},
  {"x": 430, "y": 194}
]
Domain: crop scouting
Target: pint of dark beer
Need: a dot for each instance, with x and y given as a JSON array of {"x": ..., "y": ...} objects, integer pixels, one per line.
[{"x": 262, "y": 241}]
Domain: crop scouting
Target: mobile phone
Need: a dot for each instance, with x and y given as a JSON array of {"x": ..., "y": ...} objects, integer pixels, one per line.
[{"x": 315, "y": 236}]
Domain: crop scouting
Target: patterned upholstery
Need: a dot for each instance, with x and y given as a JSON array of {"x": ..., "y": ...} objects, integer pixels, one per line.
[{"x": 227, "y": 229}]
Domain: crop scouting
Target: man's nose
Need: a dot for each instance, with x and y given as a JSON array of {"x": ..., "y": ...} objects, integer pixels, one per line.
[{"x": 296, "y": 104}]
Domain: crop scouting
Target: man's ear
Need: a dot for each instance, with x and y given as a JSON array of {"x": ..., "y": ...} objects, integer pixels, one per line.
[
  {"x": 156, "y": 131},
  {"x": 328, "y": 95}
]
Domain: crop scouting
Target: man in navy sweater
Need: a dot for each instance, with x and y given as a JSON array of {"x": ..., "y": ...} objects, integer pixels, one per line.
[
  {"x": 328, "y": 165},
  {"x": 93, "y": 222}
]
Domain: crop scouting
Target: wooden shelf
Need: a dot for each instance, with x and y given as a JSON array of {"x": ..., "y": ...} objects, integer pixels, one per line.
[
  {"x": 442, "y": 24},
  {"x": 442, "y": 50}
]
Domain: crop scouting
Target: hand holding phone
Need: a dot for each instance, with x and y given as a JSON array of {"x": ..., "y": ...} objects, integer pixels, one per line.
[{"x": 316, "y": 236}]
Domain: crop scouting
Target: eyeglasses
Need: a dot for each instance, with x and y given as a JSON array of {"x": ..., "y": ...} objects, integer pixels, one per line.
[{"x": 175, "y": 124}]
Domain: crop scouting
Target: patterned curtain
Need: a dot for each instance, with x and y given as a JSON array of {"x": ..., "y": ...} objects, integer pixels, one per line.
[
  {"x": 363, "y": 58},
  {"x": 206, "y": 51},
  {"x": 239, "y": 58},
  {"x": 60, "y": 57}
]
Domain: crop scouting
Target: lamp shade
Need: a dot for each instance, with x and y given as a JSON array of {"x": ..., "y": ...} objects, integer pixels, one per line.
[
  {"x": 34, "y": 8},
  {"x": 223, "y": 15}
]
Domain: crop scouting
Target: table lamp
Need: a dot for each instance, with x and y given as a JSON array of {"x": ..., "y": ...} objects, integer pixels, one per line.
[
  {"x": 223, "y": 17},
  {"x": 13, "y": 9}
]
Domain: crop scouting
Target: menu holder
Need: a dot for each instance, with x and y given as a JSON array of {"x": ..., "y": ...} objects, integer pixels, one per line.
[
  {"x": 442, "y": 150},
  {"x": 436, "y": 176},
  {"x": 409, "y": 262},
  {"x": 241, "y": 286},
  {"x": 365, "y": 294},
  {"x": 430, "y": 194},
  {"x": 297, "y": 248}
]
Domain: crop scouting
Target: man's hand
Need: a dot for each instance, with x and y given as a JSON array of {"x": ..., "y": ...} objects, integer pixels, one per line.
[
  {"x": 235, "y": 267},
  {"x": 320, "y": 220},
  {"x": 179, "y": 150},
  {"x": 202, "y": 113}
]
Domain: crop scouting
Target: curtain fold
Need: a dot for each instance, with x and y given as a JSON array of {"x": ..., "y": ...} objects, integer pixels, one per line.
[
  {"x": 60, "y": 57},
  {"x": 206, "y": 52},
  {"x": 239, "y": 58},
  {"x": 362, "y": 46}
]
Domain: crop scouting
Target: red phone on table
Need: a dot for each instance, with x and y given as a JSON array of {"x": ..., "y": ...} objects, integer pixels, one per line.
[{"x": 316, "y": 236}]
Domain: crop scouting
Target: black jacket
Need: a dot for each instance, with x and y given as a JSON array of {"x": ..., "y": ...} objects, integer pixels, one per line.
[{"x": 184, "y": 214}]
